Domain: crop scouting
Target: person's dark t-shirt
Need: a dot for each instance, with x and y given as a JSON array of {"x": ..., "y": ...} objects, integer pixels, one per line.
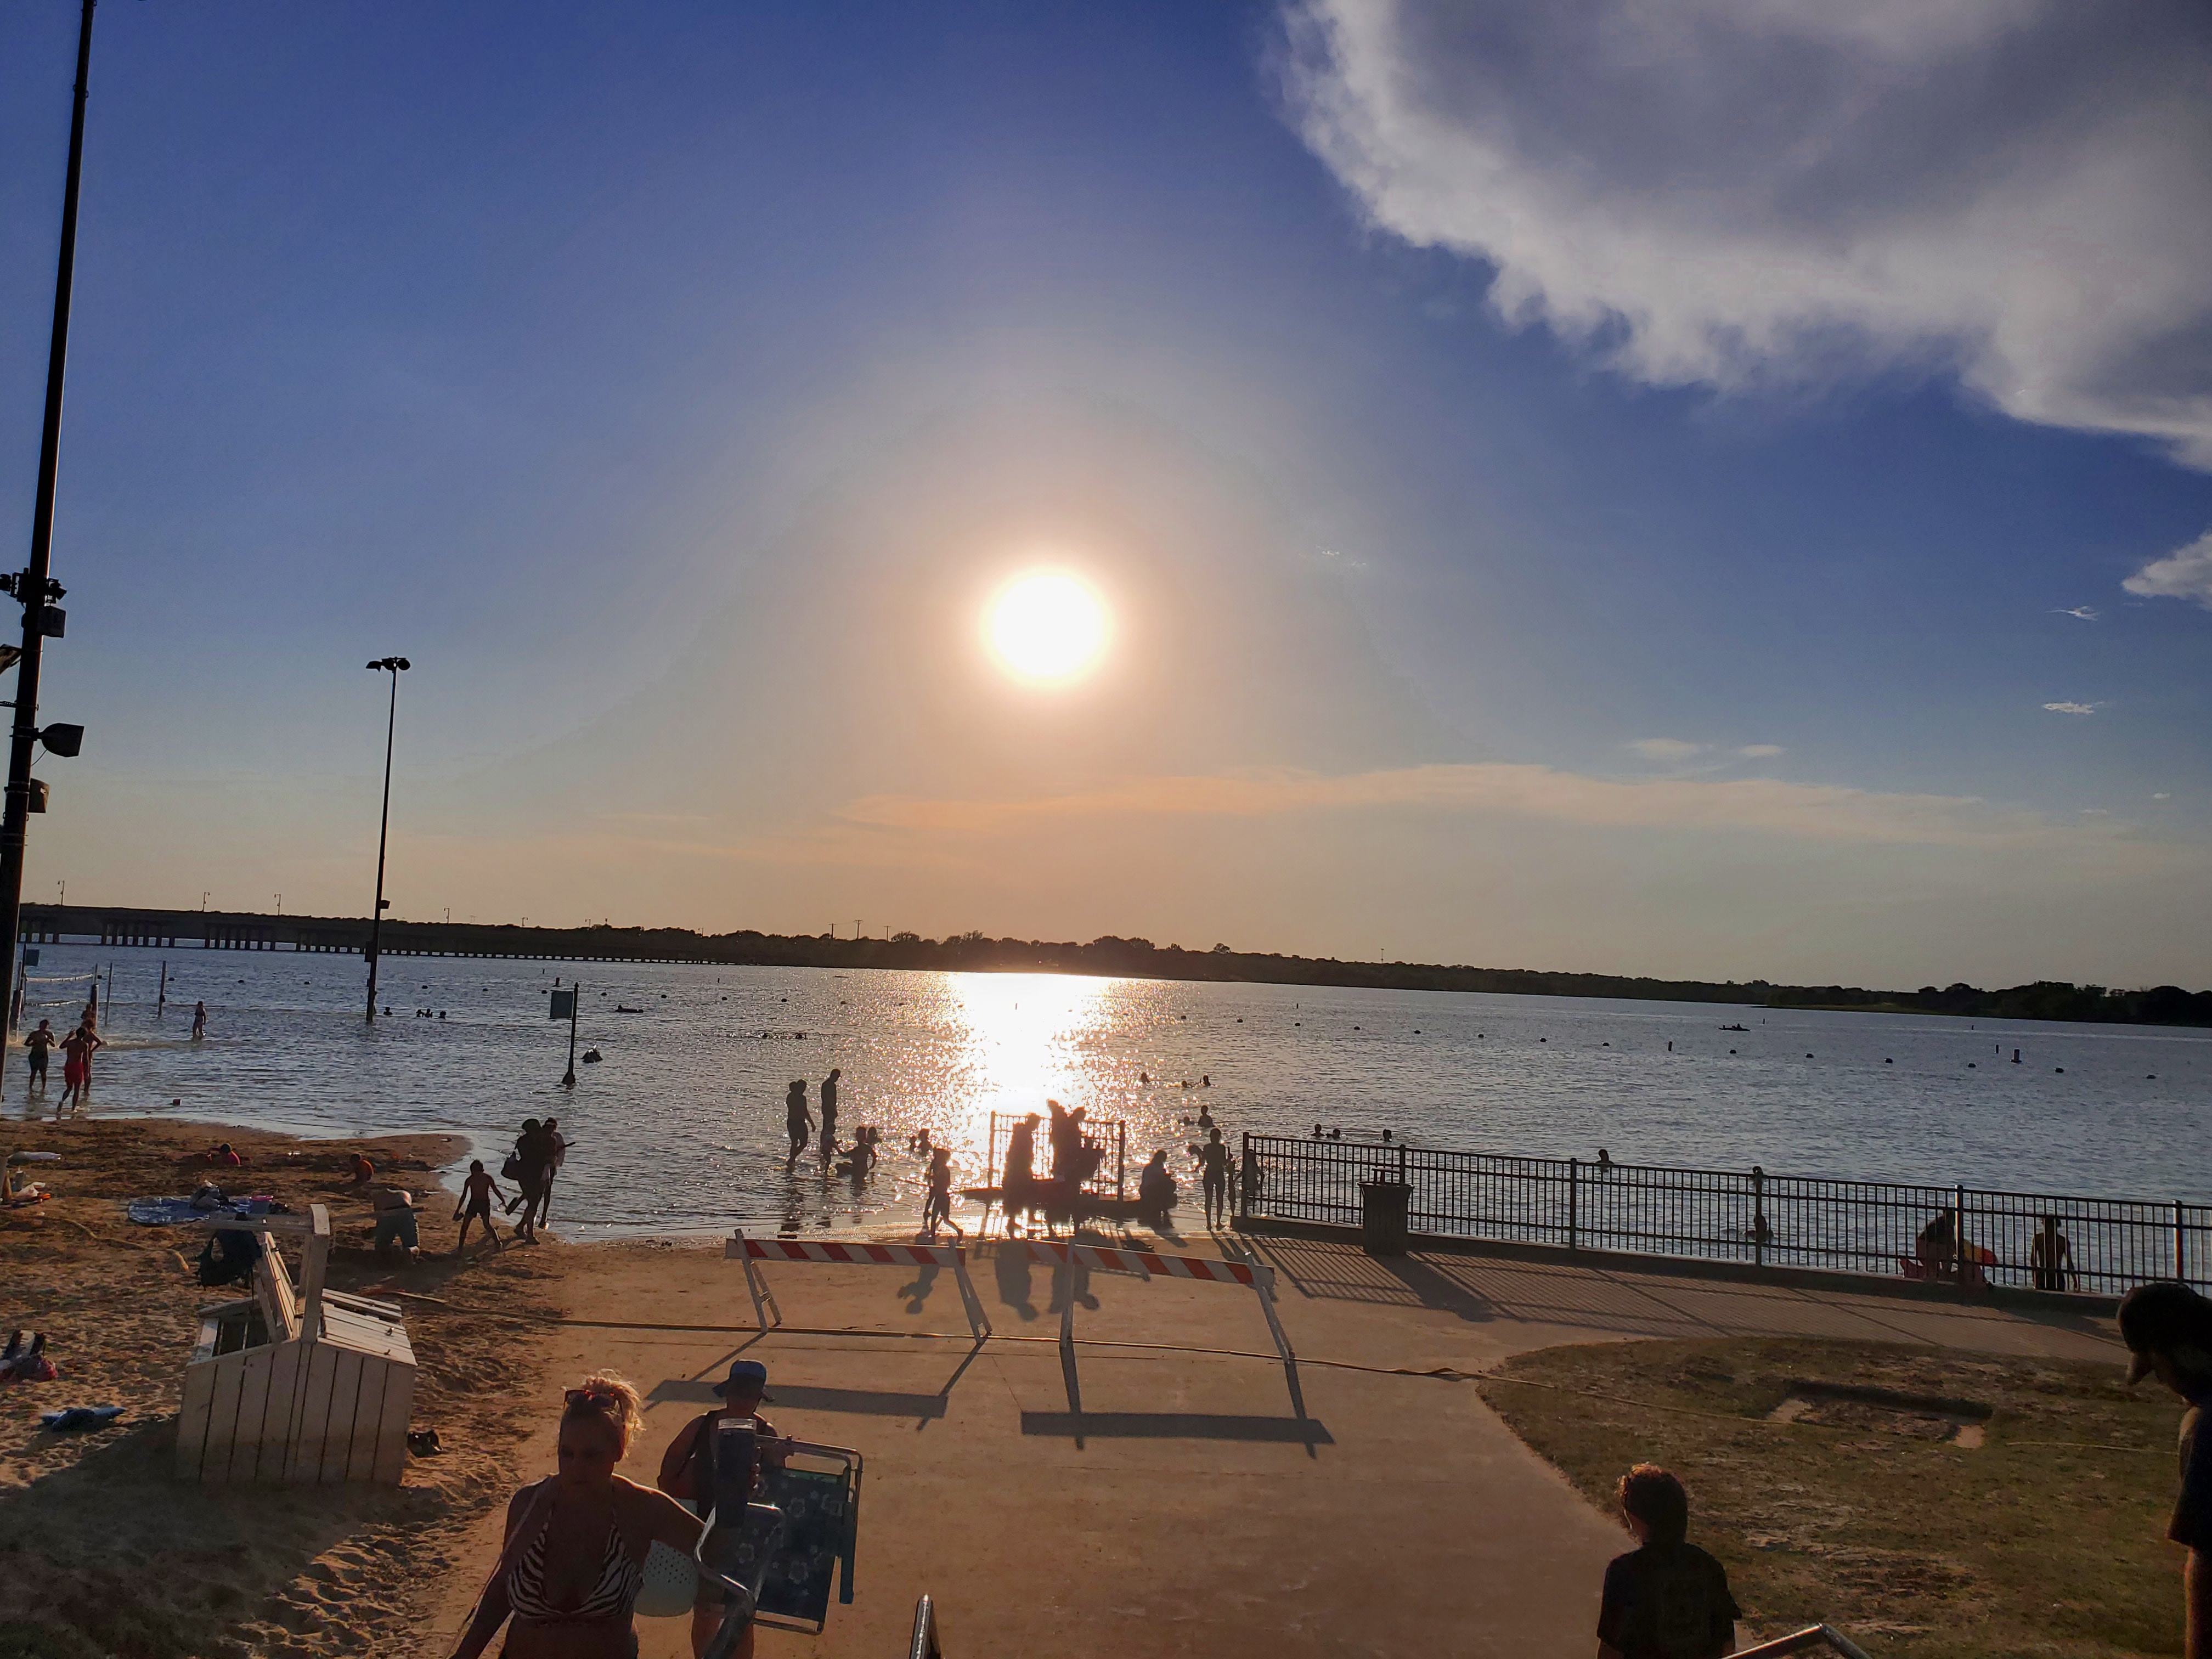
[
  {"x": 2191, "y": 1526},
  {"x": 1667, "y": 1603}
]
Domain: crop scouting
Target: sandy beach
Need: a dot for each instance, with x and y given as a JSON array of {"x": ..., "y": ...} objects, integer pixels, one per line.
[{"x": 1176, "y": 1489}]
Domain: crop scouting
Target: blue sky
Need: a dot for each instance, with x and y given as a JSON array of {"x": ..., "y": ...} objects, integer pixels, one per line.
[{"x": 1477, "y": 462}]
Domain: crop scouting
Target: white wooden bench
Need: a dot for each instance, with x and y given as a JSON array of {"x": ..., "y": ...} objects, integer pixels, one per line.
[{"x": 305, "y": 1386}]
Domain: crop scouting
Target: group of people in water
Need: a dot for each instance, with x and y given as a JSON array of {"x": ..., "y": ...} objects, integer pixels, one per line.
[{"x": 77, "y": 1045}]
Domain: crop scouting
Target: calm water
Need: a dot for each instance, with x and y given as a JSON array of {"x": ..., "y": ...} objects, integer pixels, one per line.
[{"x": 682, "y": 1126}]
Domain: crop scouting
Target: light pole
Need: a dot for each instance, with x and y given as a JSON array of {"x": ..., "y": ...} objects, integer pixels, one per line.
[
  {"x": 395, "y": 666},
  {"x": 34, "y": 585}
]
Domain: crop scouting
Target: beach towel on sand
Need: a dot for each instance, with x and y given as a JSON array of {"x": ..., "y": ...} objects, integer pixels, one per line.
[{"x": 174, "y": 1212}]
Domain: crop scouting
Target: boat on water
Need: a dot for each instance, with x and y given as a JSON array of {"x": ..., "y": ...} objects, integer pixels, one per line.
[{"x": 1735, "y": 1028}]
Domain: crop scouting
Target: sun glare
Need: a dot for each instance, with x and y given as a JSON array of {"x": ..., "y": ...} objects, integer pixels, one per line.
[{"x": 1047, "y": 626}]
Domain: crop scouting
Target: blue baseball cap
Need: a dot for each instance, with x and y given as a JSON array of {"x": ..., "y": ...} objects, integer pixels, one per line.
[{"x": 746, "y": 1376}]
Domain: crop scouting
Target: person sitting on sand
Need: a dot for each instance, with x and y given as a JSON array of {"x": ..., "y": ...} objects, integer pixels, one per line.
[
  {"x": 1937, "y": 1249},
  {"x": 686, "y": 1472},
  {"x": 1667, "y": 1599},
  {"x": 223, "y": 1155},
  {"x": 573, "y": 1561},
  {"x": 363, "y": 1171},
  {"x": 477, "y": 1192}
]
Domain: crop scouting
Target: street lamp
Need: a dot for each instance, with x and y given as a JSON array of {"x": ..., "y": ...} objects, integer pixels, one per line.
[
  {"x": 34, "y": 585},
  {"x": 395, "y": 666}
]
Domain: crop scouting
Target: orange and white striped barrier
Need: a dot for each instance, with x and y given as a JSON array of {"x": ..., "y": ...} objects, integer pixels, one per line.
[
  {"x": 1148, "y": 1264},
  {"x": 754, "y": 1251}
]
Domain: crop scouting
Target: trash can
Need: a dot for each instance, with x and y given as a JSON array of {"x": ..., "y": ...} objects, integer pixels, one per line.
[{"x": 1383, "y": 1206}]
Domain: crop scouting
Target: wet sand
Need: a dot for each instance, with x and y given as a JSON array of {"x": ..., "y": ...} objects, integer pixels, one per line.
[{"x": 1174, "y": 1495}]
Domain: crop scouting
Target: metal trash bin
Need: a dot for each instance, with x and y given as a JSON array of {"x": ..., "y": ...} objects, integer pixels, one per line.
[{"x": 1382, "y": 1206}]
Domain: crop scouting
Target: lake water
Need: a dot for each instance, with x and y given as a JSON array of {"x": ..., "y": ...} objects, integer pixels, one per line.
[{"x": 681, "y": 1127}]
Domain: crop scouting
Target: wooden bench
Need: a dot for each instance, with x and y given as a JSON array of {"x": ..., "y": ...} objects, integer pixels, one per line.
[{"x": 305, "y": 1386}]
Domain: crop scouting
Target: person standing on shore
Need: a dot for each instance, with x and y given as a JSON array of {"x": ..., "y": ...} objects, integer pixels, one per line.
[
  {"x": 2168, "y": 1329},
  {"x": 1213, "y": 1164},
  {"x": 199, "y": 1021},
  {"x": 798, "y": 1122},
  {"x": 77, "y": 1066},
  {"x": 569, "y": 1572},
  {"x": 533, "y": 1153},
  {"x": 938, "y": 1206},
  {"x": 2051, "y": 1259},
  {"x": 37, "y": 1044},
  {"x": 687, "y": 1473},
  {"x": 828, "y": 1094},
  {"x": 476, "y": 1195}
]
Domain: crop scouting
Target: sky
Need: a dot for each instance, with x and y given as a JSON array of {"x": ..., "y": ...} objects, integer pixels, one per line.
[{"x": 1710, "y": 488}]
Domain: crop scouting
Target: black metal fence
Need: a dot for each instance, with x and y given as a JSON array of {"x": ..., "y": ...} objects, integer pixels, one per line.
[{"x": 2102, "y": 1245}]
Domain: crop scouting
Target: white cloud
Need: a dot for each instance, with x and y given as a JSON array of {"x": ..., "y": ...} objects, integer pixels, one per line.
[
  {"x": 2183, "y": 574},
  {"x": 2081, "y": 612},
  {"x": 1815, "y": 812},
  {"x": 1738, "y": 193},
  {"x": 2161, "y": 795},
  {"x": 2073, "y": 707},
  {"x": 1759, "y": 750},
  {"x": 1665, "y": 749}
]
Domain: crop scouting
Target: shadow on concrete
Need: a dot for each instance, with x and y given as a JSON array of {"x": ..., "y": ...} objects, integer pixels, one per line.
[
  {"x": 925, "y": 1281},
  {"x": 1176, "y": 1425},
  {"x": 806, "y": 1397},
  {"x": 1437, "y": 1290}
]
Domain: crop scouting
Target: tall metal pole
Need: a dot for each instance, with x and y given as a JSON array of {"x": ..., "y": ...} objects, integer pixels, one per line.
[
  {"x": 575, "y": 1002},
  {"x": 383, "y": 831},
  {"x": 31, "y": 586}
]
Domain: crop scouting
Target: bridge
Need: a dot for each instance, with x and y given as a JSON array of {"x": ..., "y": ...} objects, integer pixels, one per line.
[{"x": 115, "y": 927}]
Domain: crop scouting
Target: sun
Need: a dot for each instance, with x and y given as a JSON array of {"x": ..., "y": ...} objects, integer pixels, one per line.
[{"x": 1047, "y": 626}]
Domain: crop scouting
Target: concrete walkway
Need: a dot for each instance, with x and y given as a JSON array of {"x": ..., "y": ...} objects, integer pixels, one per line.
[{"x": 1163, "y": 1501}]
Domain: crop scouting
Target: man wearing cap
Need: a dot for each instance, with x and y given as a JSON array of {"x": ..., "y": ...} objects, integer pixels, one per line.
[
  {"x": 686, "y": 1472},
  {"x": 2168, "y": 1329}
]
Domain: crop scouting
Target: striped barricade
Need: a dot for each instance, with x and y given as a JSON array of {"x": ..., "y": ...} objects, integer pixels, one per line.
[
  {"x": 754, "y": 1251},
  {"x": 1148, "y": 1264}
]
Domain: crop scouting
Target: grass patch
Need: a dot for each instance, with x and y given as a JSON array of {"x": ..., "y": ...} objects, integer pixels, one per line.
[{"x": 1863, "y": 1515}]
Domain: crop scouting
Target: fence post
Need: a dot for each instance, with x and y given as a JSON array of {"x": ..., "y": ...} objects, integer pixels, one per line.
[
  {"x": 1958, "y": 1233},
  {"x": 1574, "y": 1169},
  {"x": 1244, "y": 1180},
  {"x": 2180, "y": 1244}
]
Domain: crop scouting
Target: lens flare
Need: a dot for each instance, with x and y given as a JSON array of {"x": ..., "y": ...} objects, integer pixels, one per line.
[{"x": 1047, "y": 626}]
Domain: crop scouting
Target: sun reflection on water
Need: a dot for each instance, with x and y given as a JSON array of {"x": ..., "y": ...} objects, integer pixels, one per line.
[{"x": 1026, "y": 1038}]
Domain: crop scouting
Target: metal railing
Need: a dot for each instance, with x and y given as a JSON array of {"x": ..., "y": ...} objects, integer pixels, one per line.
[
  {"x": 925, "y": 1645},
  {"x": 1109, "y": 1139},
  {"x": 1943, "y": 1233}
]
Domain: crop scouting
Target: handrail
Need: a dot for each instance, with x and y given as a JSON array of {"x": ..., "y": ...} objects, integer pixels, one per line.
[
  {"x": 1805, "y": 1641},
  {"x": 924, "y": 1645}
]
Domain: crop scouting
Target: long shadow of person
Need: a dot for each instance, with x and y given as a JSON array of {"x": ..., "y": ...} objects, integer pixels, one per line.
[
  {"x": 925, "y": 1281},
  {"x": 1010, "y": 1265}
]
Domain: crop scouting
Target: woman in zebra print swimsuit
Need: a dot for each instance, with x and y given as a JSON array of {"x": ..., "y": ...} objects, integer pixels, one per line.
[{"x": 576, "y": 1543}]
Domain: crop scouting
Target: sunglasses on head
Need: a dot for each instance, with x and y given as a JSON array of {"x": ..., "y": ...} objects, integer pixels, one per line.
[{"x": 591, "y": 1397}]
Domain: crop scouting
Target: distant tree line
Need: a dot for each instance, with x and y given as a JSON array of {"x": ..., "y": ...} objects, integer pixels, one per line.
[{"x": 973, "y": 952}]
